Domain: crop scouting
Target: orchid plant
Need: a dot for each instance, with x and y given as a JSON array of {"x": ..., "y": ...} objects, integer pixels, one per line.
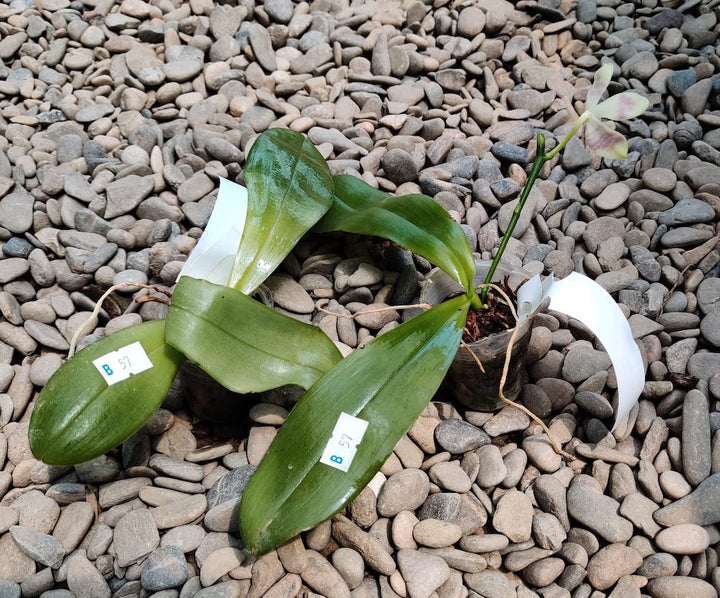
[
  {"x": 104, "y": 393},
  {"x": 355, "y": 409}
]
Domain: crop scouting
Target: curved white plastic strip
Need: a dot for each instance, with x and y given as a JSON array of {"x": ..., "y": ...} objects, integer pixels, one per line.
[
  {"x": 531, "y": 294},
  {"x": 213, "y": 257},
  {"x": 583, "y": 299}
]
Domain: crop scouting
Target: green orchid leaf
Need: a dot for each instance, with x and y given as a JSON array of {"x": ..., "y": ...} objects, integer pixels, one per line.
[
  {"x": 416, "y": 222},
  {"x": 79, "y": 415},
  {"x": 386, "y": 384},
  {"x": 290, "y": 188},
  {"x": 243, "y": 344}
]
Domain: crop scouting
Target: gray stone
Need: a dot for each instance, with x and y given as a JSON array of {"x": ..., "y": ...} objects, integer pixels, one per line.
[
  {"x": 457, "y": 436},
  {"x": 680, "y": 587},
  {"x": 17, "y": 247},
  {"x": 646, "y": 263},
  {"x": 136, "y": 536},
  {"x": 399, "y": 166},
  {"x": 403, "y": 491},
  {"x": 423, "y": 573},
  {"x": 685, "y": 236},
  {"x": 685, "y": 538},
  {"x": 492, "y": 469},
  {"x": 582, "y": 362},
  {"x": 710, "y": 328},
  {"x": 666, "y": 18},
  {"x": 513, "y": 516},
  {"x": 165, "y": 568},
  {"x": 594, "y": 404},
  {"x": 125, "y": 194},
  {"x": 9, "y": 589},
  {"x": 42, "y": 548},
  {"x": 687, "y": 211},
  {"x": 230, "y": 486},
  {"x": 610, "y": 563},
  {"x": 659, "y": 564},
  {"x": 463, "y": 509},
  {"x": 696, "y": 437},
  {"x": 598, "y": 512},
  {"x": 16, "y": 210},
  {"x": 84, "y": 580},
  {"x": 490, "y": 584},
  {"x": 280, "y": 11},
  {"x": 262, "y": 47},
  {"x": 701, "y": 507},
  {"x": 509, "y": 152},
  {"x": 708, "y": 294},
  {"x": 322, "y": 577}
]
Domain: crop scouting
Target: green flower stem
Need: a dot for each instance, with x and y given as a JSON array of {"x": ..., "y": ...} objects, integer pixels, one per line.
[
  {"x": 560, "y": 146},
  {"x": 540, "y": 159}
]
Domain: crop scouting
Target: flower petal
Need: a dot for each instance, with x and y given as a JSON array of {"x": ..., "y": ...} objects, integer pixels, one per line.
[
  {"x": 621, "y": 106},
  {"x": 605, "y": 141},
  {"x": 600, "y": 84}
]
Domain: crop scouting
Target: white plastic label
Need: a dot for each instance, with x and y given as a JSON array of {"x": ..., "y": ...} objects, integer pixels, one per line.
[
  {"x": 119, "y": 365},
  {"x": 214, "y": 255},
  {"x": 583, "y": 299},
  {"x": 342, "y": 446}
]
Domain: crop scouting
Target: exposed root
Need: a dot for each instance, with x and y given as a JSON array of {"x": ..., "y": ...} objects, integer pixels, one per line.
[
  {"x": 98, "y": 306},
  {"x": 475, "y": 358},
  {"x": 503, "y": 379}
]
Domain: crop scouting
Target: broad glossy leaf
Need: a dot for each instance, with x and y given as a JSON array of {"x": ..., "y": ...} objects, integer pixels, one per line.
[
  {"x": 78, "y": 417},
  {"x": 243, "y": 344},
  {"x": 416, "y": 222},
  {"x": 388, "y": 384},
  {"x": 290, "y": 188}
]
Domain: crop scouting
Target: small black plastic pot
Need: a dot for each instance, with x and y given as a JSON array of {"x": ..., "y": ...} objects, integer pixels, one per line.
[{"x": 472, "y": 387}]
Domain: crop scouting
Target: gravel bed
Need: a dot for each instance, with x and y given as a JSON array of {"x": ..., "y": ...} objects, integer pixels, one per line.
[{"x": 116, "y": 120}]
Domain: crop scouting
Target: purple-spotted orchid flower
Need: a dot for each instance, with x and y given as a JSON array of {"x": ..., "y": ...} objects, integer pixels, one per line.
[{"x": 602, "y": 139}]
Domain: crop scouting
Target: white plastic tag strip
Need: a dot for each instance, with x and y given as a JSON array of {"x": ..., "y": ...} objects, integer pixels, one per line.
[
  {"x": 214, "y": 255},
  {"x": 584, "y": 299},
  {"x": 119, "y": 365},
  {"x": 342, "y": 446}
]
